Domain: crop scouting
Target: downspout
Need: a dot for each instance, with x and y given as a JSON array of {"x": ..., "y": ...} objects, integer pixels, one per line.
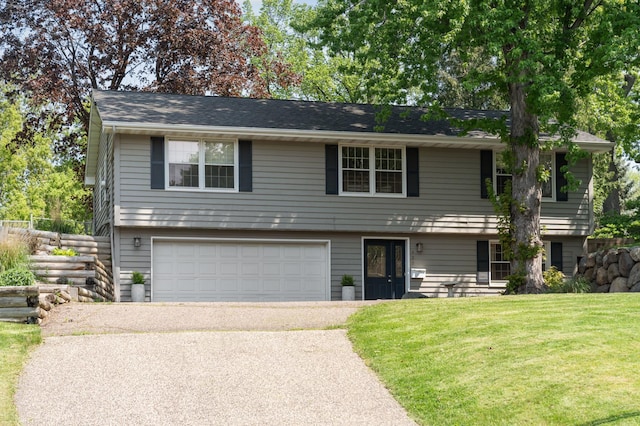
[{"x": 115, "y": 263}]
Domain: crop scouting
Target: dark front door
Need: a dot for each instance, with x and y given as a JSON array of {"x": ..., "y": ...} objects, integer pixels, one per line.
[{"x": 384, "y": 269}]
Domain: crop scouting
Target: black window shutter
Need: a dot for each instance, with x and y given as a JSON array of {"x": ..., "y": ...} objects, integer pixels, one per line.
[
  {"x": 413, "y": 174},
  {"x": 331, "y": 168},
  {"x": 157, "y": 163},
  {"x": 561, "y": 180},
  {"x": 556, "y": 255},
  {"x": 486, "y": 171},
  {"x": 245, "y": 171},
  {"x": 482, "y": 253}
]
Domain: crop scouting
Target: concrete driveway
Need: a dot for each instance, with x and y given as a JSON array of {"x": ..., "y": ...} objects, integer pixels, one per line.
[{"x": 202, "y": 364}]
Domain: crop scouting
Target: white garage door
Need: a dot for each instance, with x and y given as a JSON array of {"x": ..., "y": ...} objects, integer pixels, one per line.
[{"x": 240, "y": 271}]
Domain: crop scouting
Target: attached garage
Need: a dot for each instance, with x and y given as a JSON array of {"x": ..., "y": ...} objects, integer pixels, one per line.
[{"x": 239, "y": 270}]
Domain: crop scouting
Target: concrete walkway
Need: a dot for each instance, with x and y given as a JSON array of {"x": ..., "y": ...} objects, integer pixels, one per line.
[{"x": 201, "y": 364}]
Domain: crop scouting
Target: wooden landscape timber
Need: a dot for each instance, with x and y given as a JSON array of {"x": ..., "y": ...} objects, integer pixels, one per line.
[{"x": 86, "y": 277}]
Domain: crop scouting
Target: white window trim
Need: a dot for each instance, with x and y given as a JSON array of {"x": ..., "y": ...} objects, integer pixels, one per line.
[
  {"x": 552, "y": 178},
  {"x": 372, "y": 173},
  {"x": 201, "y": 166},
  {"x": 492, "y": 282}
]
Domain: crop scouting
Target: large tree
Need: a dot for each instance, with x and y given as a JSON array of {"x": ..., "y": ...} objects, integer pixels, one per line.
[
  {"x": 548, "y": 53},
  {"x": 58, "y": 50},
  {"x": 33, "y": 182}
]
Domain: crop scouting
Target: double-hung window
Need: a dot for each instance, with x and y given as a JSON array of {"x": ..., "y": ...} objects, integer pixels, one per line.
[
  {"x": 202, "y": 164},
  {"x": 372, "y": 171},
  {"x": 500, "y": 267},
  {"x": 502, "y": 174}
]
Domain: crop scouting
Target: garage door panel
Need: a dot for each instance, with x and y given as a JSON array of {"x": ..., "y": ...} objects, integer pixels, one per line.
[{"x": 239, "y": 271}]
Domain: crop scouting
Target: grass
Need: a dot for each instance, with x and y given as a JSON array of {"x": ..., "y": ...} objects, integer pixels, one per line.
[
  {"x": 15, "y": 342},
  {"x": 513, "y": 360}
]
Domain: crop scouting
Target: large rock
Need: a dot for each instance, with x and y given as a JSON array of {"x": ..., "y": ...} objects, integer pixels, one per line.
[
  {"x": 619, "y": 285},
  {"x": 602, "y": 277},
  {"x": 634, "y": 252},
  {"x": 582, "y": 265},
  {"x": 603, "y": 288},
  {"x": 635, "y": 288},
  {"x": 634, "y": 275},
  {"x": 613, "y": 272},
  {"x": 599, "y": 256},
  {"x": 625, "y": 263},
  {"x": 591, "y": 260},
  {"x": 610, "y": 257},
  {"x": 589, "y": 274}
]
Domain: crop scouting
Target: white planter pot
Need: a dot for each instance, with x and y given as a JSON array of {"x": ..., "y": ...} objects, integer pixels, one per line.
[
  {"x": 137, "y": 292},
  {"x": 348, "y": 292}
]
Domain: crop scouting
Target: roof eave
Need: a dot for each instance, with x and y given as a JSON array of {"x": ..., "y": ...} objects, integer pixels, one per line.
[{"x": 488, "y": 141}]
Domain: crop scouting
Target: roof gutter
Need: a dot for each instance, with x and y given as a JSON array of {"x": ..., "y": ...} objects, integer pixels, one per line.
[{"x": 325, "y": 135}]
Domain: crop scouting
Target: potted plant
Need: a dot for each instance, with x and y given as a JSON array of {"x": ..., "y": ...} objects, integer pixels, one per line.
[
  {"x": 348, "y": 288},
  {"x": 137, "y": 287}
]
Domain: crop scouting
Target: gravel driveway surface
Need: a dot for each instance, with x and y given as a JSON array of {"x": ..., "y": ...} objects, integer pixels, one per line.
[{"x": 201, "y": 364}]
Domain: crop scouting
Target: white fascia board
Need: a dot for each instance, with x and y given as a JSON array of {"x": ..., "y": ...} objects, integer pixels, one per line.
[{"x": 326, "y": 135}]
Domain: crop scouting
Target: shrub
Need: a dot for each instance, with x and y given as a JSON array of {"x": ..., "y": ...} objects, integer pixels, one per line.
[
  {"x": 64, "y": 252},
  {"x": 554, "y": 279},
  {"x": 14, "y": 253},
  {"x": 347, "y": 280},
  {"x": 514, "y": 282},
  {"x": 17, "y": 276},
  {"x": 137, "y": 277},
  {"x": 574, "y": 285}
]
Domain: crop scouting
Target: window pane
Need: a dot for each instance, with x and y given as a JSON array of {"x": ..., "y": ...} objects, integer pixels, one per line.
[
  {"x": 218, "y": 176},
  {"x": 183, "y": 152},
  {"x": 546, "y": 161},
  {"x": 500, "y": 271},
  {"x": 389, "y": 182},
  {"x": 399, "y": 260},
  {"x": 497, "y": 254},
  {"x": 500, "y": 266},
  {"x": 218, "y": 153},
  {"x": 183, "y": 164},
  {"x": 354, "y": 181},
  {"x": 388, "y": 159},
  {"x": 355, "y": 157},
  {"x": 503, "y": 175},
  {"x": 376, "y": 261},
  {"x": 501, "y": 183},
  {"x": 389, "y": 170},
  {"x": 184, "y": 175}
]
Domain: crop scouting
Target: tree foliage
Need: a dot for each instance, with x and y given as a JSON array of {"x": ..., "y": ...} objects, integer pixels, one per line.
[
  {"x": 57, "y": 50},
  {"x": 548, "y": 54},
  {"x": 33, "y": 182},
  {"x": 335, "y": 77}
]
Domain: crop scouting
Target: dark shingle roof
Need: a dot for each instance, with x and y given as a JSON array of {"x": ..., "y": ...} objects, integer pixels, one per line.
[
  {"x": 170, "y": 109},
  {"x": 210, "y": 111}
]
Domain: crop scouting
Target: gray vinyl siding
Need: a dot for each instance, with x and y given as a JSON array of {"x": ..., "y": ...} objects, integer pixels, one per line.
[
  {"x": 453, "y": 258},
  {"x": 289, "y": 194},
  {"x": 104, "y": 187},
  {"x": 445, "y": 258},
  {"x": 345, "y": 253}
]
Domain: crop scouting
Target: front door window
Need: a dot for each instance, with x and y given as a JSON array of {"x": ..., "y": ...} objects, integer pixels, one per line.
[{"x": 384, "y": 269}]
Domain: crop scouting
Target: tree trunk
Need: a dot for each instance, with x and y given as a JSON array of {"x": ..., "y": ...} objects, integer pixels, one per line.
[{"x": 526, "y": 193}]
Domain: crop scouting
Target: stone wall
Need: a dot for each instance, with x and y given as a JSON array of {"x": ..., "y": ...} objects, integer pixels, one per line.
[{"x": 612, "y": 271}]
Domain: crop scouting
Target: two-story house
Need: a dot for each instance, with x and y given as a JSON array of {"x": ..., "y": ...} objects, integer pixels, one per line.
[{"x": 232, "y": 199}]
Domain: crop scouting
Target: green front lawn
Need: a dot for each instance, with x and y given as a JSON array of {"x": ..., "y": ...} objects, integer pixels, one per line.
[
  {"x": 15, "y": 342},
  {"x": 511, "y": 360}
]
